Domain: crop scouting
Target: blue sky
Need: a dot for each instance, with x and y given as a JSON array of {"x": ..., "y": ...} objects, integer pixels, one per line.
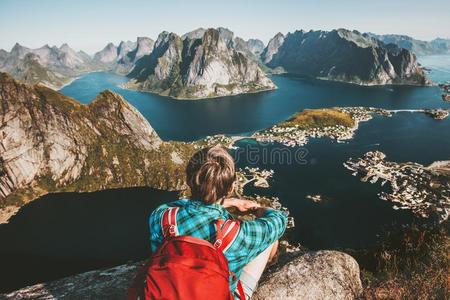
[{"x": 90, "y": 24}]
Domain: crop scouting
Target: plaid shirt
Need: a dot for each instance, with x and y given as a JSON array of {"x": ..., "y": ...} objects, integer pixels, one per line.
[{"x": 197, "y": 219}]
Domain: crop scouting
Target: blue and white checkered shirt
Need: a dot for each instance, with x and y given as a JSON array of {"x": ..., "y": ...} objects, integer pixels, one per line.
[{"x": 197, "y": 219}]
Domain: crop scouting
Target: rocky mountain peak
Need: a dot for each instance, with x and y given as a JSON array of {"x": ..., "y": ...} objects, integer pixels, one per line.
[
  {"x": 50, "y": 140},
  {"x": 65, "y": 47},
  {"x": 144, "y": 47},
  {"x": 272, "y": 47},
  {"x": 255, "y": 46},
  {"x": 343, "y": 55},
  {"x": 18, "y": 50},
  {"x": 226, "y": 34},
  {"x": 197, "y": 68},
  {"x": 124, "y": 48},
  {"x": 195, "y": 34},
  {"x": 212, "y": 40},
  {"x": 107, "y": 54},
  {"x": 166, "y": 37}
]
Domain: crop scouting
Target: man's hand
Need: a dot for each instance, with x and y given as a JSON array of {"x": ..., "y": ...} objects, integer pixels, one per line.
[{"x": 241, "y": 204}]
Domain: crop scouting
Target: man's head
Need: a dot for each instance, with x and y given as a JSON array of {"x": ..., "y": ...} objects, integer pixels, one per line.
[{"x": 210, "y": 174}]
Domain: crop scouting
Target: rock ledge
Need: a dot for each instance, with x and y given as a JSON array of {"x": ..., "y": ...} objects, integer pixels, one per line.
[{"x": 315, "y": 275}]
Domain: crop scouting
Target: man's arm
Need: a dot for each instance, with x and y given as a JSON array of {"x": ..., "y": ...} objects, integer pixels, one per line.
[{"x": 263, "y": 231}]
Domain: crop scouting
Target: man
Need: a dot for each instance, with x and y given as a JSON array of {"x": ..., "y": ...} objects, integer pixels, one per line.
[{"x": 210, "y": 176}]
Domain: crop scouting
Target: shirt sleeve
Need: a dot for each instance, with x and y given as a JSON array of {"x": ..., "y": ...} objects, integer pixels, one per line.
[
  {"x": 154, "y": 221},
  {"x": 262, "y": 232}
]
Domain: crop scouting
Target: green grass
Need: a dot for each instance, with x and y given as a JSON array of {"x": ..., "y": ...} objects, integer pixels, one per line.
[{"x": 317, "y": 118}]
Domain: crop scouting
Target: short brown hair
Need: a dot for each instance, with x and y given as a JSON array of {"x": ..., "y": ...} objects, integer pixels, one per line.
[{"x": 210, "y": 174}]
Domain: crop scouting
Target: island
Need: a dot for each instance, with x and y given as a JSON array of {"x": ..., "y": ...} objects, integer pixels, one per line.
[
  {"x": 194, "y": 68},
  {"x": 423, "y": 190}
]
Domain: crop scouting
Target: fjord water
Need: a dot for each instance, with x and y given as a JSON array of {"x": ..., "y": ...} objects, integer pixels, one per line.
[
  {"x": 439, "y": 66},
  {"x": 188, "y": 120},
  {"x": 351, "y": 215},
  {"x": 63, "y": 234}
]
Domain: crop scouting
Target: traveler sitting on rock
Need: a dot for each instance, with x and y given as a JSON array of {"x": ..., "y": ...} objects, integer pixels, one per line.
[{"x": 246, "y": 245}]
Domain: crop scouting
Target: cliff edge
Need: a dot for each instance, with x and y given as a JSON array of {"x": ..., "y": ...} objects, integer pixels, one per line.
[{"x": 315, "y": 275}]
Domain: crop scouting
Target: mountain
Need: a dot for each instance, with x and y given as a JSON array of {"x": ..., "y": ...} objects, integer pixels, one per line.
[
  {"x": 344, "y": 55},
  {"x": 143, "y": 46},
  {"x": 125, "y": 48},
  {"x": 107, "y": 54},
  {"x": 197, "y": 68},
  {"x": 253, "y": 46},
  {"x": 437, "y": 46},
  {"x": 3, "y": 56},
  {"x": 194, "y": 34},
  {"x": 121, "y": 59},
  {"x": 272, "y": 47},
  {"x": 29, "y": 70},
  {"x": 51, "y": 66},
  {"x": 441, "y": 45},
  {"x": 63, "y": 59},
  {"x": 51, "y": 142}
]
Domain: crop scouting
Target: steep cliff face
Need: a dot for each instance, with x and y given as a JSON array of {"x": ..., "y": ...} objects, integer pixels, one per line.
[
  {"x": 144, "y": 46},
  {"x": 344, "y": 55},
  {"x": 272, "y": 47},
  {"x": 197, "y": 68},
  {"x": 50, "y": 142}
]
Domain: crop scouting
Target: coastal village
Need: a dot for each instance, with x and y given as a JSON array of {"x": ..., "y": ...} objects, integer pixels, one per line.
[
  {"x": 293, "y": 135},
  {"x": 424, "y": 190},
  {"x": 327, "y": 124}
]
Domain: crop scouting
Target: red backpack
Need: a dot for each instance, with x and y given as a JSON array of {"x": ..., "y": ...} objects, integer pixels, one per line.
[{"x": 185, "y": 267}]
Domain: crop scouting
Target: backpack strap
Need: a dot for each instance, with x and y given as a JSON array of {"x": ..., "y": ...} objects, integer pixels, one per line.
[
  {"x": 227, "y": 232},
  {"x": 240, "y": 290},
  {"x": 169, "y": 222}
]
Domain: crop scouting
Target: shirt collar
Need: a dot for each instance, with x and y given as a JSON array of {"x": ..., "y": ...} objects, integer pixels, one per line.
[{"x": 200, "y": 205}]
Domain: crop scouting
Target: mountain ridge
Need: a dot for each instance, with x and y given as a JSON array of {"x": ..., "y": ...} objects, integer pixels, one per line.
[
  {"x": 419, "y": 47},
  {"x": 197, "y": 68},
  {"x": 386, "y": 64},
  {"x": 343, "y": 55},
  {"x": 51, "y": 142}
]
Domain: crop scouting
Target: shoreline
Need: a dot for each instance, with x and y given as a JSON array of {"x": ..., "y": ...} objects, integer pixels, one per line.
[
  {"x": 347, "y": 134},
  {"x": 7, "y": 213},
  {"x": 124, "y": 87}
]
